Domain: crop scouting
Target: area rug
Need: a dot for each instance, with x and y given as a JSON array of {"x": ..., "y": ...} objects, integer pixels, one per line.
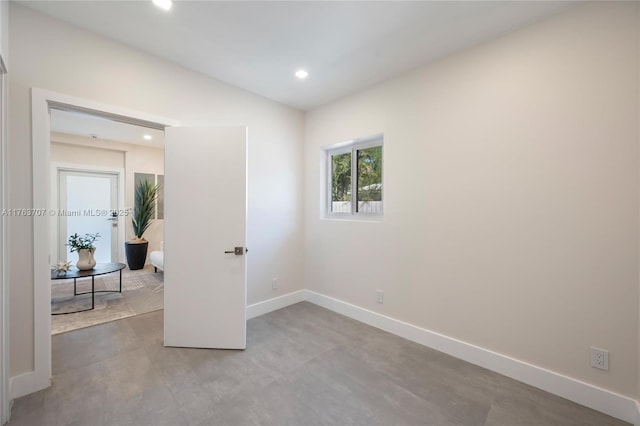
[{"x": 142, "y": 292}]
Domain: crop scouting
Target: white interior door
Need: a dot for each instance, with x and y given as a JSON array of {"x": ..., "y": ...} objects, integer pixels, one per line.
[
  {"x": 87, "y": 203},
  {"x": 205, "y": 218}
]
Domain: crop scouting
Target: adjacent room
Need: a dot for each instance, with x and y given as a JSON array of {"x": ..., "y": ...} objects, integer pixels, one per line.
[
  {"x": 99, "y": 167},
  {"x": 371, "y": 213}
]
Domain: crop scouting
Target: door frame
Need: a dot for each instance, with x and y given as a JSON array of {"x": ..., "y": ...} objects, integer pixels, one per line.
[
  {"x": 4, "y": 264},
  {"x": 42, "y": 101},
  {"x": 56, "y": 168}
]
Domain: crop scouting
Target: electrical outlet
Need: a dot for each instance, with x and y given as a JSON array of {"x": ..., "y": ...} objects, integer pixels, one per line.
[
  {"x": 274, "y": 284},
  {"x": 599, "y": 358},
  {"x": 379, "y": 296}
]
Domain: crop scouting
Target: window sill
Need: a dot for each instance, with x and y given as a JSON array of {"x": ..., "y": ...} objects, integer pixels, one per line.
[{"x": 353, "y": 218}]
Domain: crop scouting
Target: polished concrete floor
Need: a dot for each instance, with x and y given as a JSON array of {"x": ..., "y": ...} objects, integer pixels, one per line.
[{"x": 303, "y": 365}]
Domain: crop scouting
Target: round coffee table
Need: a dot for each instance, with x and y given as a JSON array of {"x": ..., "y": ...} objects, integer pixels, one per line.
[{"x": 99, "y": 269}]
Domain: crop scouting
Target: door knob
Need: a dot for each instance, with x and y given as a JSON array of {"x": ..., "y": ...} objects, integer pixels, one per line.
[{"x": 238, "y": 251}]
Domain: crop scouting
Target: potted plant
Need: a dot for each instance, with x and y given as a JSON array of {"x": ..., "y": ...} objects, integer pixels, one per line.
[
  {"x": 85, "y": 248},
  {"x": 146, "y": 194}
]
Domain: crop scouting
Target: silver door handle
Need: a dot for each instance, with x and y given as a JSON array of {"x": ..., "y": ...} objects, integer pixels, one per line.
[{"x": 238, "y": 251}]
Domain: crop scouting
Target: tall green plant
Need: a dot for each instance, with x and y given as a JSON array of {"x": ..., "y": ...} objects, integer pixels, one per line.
[{"x": 144, "y": 207}]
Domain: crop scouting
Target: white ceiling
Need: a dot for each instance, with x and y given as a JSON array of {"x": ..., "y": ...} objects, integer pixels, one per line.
[
  {"x": 75, "y": 123},
  {"x": 345, "y": 46}
]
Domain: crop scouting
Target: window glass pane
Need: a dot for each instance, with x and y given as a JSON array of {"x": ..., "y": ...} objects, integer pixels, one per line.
[
  {"x": 370, "y": 180},
  {"x": 341, "y": 183}
]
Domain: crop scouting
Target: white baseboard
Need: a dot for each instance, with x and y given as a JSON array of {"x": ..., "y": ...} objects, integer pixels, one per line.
[
  {"x": 23, "y": 384},
  {"x": 274, "y": 304},
  {"x": 599, "y": 399}
]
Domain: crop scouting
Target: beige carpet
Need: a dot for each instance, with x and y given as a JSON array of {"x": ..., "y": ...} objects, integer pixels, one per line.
[{"x": 140, "y": 294}]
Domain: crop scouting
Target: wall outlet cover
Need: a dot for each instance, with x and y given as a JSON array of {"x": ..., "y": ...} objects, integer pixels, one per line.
[{"x": 600, "y": 358}]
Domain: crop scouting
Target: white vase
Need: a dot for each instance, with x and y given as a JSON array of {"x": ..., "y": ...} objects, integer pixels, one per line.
[{"x": 86, "y": 260}]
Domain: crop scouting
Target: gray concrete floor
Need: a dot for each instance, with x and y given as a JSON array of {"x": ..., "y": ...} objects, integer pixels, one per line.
[{"x": 303, "y": 365}]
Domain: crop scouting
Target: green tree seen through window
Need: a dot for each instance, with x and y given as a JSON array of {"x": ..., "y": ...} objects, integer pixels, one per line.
[
  {"x": 370, "y": 174},
  {"x": 341, "y": 177},
  {"x": 356, "y": 179}
]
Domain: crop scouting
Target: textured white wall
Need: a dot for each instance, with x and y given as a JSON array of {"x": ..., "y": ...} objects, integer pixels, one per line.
[
  {"x": 52, "y": 55},
  {"x": 511, "y": 196}
]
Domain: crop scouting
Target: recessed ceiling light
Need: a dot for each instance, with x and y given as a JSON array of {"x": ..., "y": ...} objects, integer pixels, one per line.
[
  {"x": 163, "y": 4},
  {"x": 147, "y": 137},
  {"x": 302, "y": 74}
]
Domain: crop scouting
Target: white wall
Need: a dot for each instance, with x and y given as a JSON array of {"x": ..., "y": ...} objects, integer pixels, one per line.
[
  {"x": 4, "y": 54},
  {"x": 638, "y": 337},
  {"x": 52, "y": 55},
  {"x": 141, "y": 159},
  {"x": 4, "y": 31},
  {"x": 511, "y": 196},
  {"x": 87, "y": 156},
  {"x": 638, "y": 334}
]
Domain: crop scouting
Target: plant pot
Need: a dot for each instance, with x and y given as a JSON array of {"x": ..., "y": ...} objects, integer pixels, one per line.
[
  {"x": 136, "y": 254},
  {"x": 86, "y": 260}
]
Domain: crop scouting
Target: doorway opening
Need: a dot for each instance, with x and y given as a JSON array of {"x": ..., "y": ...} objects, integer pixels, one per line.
[
  {"x": 43, "y": 103},
  {"x": 4, "y": 336},
  {"x": 205, "y": 292},
  {"x": 96, "y": 165}
]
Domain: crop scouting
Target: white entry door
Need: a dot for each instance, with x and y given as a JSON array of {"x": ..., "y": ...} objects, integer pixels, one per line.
[
  {"x": 87, "y": 203},
  {"x": 204, "y": 237}
]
